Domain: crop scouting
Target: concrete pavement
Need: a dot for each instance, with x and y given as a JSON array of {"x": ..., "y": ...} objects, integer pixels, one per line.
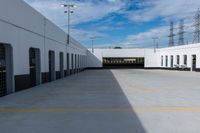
[{"x": 107, "y": 101}]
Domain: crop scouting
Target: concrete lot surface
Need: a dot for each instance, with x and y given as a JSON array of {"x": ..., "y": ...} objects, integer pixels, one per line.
[{"x": 107, "y": 101}]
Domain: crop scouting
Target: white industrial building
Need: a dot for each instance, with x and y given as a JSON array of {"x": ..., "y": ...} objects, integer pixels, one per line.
[
  {"x": 184, "y": 57},
  {"x": 33, "y": 50}
]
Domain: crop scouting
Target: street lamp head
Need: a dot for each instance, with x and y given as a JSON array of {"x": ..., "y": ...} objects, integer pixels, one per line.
[
  {"x": 94, "y": 37},
  {"x": 74, "y": 6},
  {"x": 66, "y": 5},
  {"x": 67, "y": 11},
  {"x": 63, "y": 5}
]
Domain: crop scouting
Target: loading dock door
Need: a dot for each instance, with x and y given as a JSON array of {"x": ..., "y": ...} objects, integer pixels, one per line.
[
  {"x": 61, "y": 65},
  {"x": 35, "y": 66},
  {"x": 3, "y": 90},
  {"x": 68, "y": 68},
  {"x": 123, "y": 62},
  {"x": 32, "y": 63},
  {"x": 51, "y": 65},
  {"x": 193, "y": 62},
  {"x": 72, "y": 63},
  {"x": 172, "y": 62},
  {"x": 75, "y": 64}
]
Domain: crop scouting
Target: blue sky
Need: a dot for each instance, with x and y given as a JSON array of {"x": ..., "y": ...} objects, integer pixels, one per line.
[{"x": 126, "y": 23}]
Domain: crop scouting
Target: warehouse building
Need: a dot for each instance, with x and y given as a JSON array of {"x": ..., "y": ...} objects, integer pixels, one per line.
[
  {"x": 33, "y": 50},
  {"x": 183, "y": 57}
]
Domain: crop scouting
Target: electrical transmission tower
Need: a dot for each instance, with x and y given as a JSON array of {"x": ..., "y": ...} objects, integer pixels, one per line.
[
  {"x": 181, "y": 33},
  {"x": 197, "y": 27},
  {"x": 171, "y": 35}
]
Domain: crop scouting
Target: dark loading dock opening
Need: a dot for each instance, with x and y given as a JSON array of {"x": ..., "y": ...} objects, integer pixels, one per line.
[
  {"x": 61, "y": 73},
  {"x": 172, "y": 61},
  {"x": 72, "y": 64},
  {"x": 194, "y": 62},
  {"x": 51, "y": 65},
  {"x": 34, "y": 64},
  {"x": 3, "y": 90},
  {"x": 130, "y": 62},
  {"x": 6, "y": 70},
  {"x": 68, "y": 70},
  {"x": 75, "y": 64}
]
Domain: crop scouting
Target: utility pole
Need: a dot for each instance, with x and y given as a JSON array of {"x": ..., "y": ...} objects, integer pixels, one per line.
[
  {"x": 93, "y": 38},
  {"x": 155, "y": 40},
  {"x": 69, "y": 12},
  {"x": 181, "y": 33},
  {"x": 171, "y": 35},
  {"x": 92, "y": 45},
  {"x": 197, "y": 27}
]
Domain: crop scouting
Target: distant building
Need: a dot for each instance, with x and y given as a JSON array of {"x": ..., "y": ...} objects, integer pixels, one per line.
[{"x": 184, "y": 57}]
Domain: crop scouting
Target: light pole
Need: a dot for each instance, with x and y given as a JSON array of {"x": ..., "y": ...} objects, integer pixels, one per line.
[
  {"x": 155, "y": 39},
  {"x": 93, "y": 38},
  {"x": 69, "y": 12}
]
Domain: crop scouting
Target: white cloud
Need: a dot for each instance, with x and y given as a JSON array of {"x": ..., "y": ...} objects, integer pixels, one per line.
[
  {"x": 86, "y": 11},
  {"x": 167, "y": 9},
  {"x": 83, "y": 35},
  {"x": 144, "y": 39}
]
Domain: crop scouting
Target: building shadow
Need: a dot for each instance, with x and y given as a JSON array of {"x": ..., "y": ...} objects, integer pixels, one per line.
[
  {"x": 89, "y": 102},
  {"x": 112, "y": 111}
]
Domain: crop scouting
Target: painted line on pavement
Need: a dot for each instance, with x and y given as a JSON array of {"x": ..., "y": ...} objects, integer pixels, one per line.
[{"x": 74, "y": 110}]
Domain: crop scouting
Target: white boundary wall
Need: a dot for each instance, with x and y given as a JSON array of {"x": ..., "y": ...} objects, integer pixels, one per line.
[{"x": 95, "y": 59}]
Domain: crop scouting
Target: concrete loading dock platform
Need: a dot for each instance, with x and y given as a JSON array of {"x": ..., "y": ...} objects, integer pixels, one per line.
[{"x": 107, "y": 101}]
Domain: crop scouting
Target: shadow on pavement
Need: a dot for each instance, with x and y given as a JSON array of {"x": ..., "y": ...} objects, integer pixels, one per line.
[
  {"x": 89, "y": 102},
  {"x": 112, "y": 103}
]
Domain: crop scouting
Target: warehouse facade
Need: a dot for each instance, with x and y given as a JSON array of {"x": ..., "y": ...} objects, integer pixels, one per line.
[
  {"x": 33, "y": 50},
  {"x": 183, "y": 57}
]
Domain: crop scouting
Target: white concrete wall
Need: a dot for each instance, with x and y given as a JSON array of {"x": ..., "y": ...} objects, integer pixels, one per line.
[
  {"x": 95, "y": 59},
  {"x": 189, "y": 50},
  {"x": 123, "y": 52},
  {"x": 152, "y": 58},
  {"x": 23, "y": 27}
]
